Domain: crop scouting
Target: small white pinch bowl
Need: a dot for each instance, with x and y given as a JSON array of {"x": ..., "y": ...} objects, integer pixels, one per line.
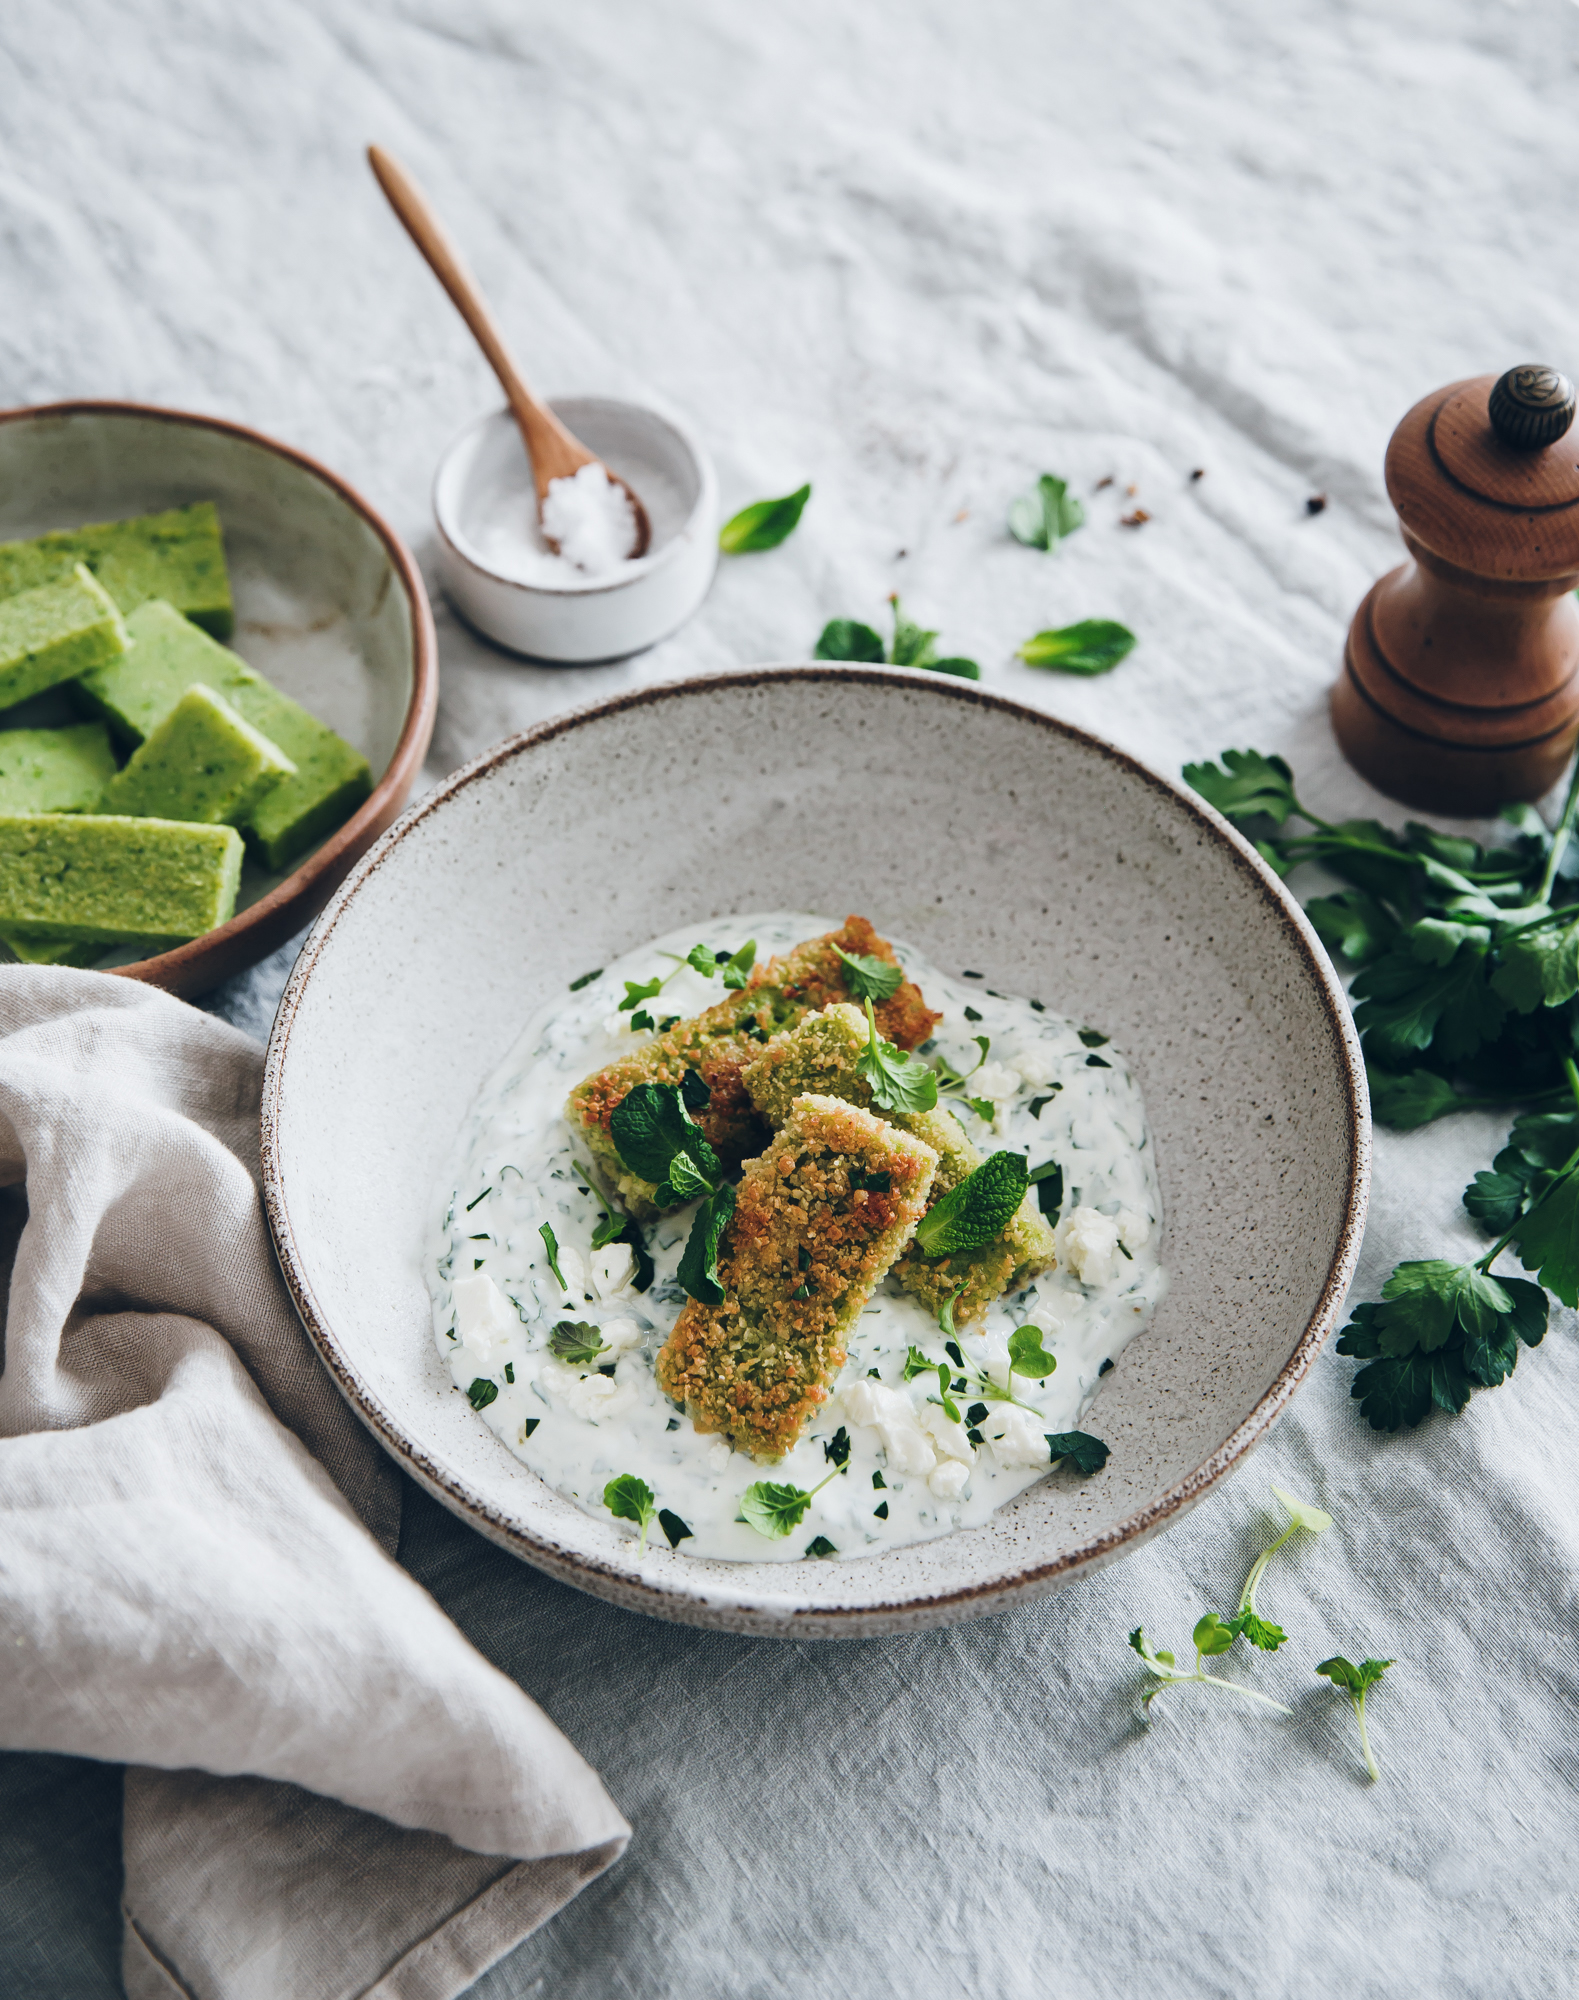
[
  {"x": 1078, "y": 875},
  {"x": 580, "y": 620}
]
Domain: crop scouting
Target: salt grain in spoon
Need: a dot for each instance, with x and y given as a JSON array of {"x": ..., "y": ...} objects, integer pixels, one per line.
[{"x": 589, "y": 515}]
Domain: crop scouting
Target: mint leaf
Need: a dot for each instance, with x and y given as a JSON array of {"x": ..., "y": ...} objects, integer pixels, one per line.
[
  {"x": 1093, "y": 646},
  {"x": 899, "y": 1082},
  {"x": 551, "y": 1245},
  {"x": 577, "y": 1341},
  {"x": 630, "y": 1499},
  {"x": 763, "y": 525},
  {"x": 978, "y": 1210},
  {"x": 1085, "y": 1453},
  {"x": 694, "y": 1092},
  {"x": 870, "y": 978},
  {"x": 683, "y": 1184},
  {"x": 698, "y": 1267},
  {"x": 845, "y": 639},
  {"x": 482, "y": 1392},
  {"x": 1041, "y": 518},
  {"x": 650, "y": 1126}
]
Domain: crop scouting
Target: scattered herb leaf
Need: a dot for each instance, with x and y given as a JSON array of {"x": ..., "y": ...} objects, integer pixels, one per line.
[
  {"x": 773, "y": 1508},
  {"x": 586, "y": 979},
  {"x": 578, "y": 1341},
  {"x": 630, "y": 1499},
  {"x": 1085, "y": 1453},
  {"x": 870, "y": 978},
  {"x": 551, "y": 1245},
  {"x": 1041, "y": 518},
  {"x": 1093, "y": 646},
  {"x": 762, "y": 525},
  {"x": 1355, "y": 1681},
  {"x": 978, "y": 1210},
  {"x": 482, "y": 1392},
  {"x": 673, "y": 1527},
  {"x": 899, "y": 1081}
]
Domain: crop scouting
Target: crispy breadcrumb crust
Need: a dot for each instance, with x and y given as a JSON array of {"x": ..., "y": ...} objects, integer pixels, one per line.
[
  {"x": 720, "y": 1041},
  {"x": 757, "y": 1367},
  {"x": 820, "y": 1053}
]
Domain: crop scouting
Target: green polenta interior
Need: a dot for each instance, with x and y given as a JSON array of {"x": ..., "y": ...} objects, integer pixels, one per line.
[{"x": 151, "y": 853}]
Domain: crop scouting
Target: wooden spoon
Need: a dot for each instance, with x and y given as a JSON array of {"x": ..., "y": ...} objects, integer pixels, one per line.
[{"x": 554, "y": 452}]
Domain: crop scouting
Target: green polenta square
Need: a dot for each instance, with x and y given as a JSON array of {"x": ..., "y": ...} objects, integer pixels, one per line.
[
  {"x": 168, "y": 656},
  {"x": 89, "y": 878},
  {"x": 202, "y": 763},
  {"x": 54, "y": 770},
  {"x": 49, "y": 951},
  {"x": 178, "y": 555},
  {"x": 55, "y": 633}
]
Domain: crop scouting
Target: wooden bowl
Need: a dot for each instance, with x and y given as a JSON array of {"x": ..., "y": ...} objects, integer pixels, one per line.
[
  {"x": 329, "y": 604},
  {"x": 990, "y": 836}
]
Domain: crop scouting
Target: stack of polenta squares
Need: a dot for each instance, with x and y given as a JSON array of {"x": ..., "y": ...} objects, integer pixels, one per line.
[{"x": 127, "y": 617}]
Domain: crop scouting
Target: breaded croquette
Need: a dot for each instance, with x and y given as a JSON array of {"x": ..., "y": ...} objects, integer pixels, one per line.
[
  {"x": 810, "y": 1240},
  {"x": 821, "y": 1053},
  {"x": 719, "y": 1042}
]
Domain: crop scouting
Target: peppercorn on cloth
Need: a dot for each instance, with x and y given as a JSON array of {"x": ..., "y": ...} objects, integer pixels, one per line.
[{"x": 329, "y": 1792}]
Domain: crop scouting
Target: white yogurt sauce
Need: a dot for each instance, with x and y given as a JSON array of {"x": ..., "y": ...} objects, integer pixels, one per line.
[{"x": 1053, "y": 1095}]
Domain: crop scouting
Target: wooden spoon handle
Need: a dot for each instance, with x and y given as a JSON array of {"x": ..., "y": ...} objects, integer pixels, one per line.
[{"x": 554, "y": 452}]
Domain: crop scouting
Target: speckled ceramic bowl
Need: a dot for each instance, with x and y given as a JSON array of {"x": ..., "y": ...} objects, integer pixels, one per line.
[{"x": 990, "y": 836}]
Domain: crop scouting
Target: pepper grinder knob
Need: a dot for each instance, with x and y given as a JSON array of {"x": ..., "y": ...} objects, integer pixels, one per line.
[{"x": 1531, "y": 407}]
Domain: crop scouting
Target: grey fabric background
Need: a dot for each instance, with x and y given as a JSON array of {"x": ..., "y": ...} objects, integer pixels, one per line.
[{"x": 918, "y": 254}]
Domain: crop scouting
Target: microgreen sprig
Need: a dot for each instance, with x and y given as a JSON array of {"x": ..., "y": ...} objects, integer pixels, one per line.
[
  {"x": 630, "y": 1499},
  {"x": 1210, "y": 1637},
  {"x": 774, "y": 1508},
  {"x": 1354, "y": 1681}
]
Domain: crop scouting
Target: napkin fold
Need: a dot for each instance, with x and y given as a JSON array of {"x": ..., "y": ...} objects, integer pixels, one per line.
[{"x": 330, "y": 1792}]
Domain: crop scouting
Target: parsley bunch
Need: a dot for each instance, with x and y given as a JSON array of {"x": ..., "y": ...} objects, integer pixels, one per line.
[{"x": 1468, "y": 998}]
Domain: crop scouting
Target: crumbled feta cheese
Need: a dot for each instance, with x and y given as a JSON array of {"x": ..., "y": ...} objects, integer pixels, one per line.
[
  {"x": 1016, "y": 1435},
  {"x": 612, "y": 1269},
  {"x": 1038, "y": 1064},
  {"x": 950, "y": 1480},
  {"x": 995, "y": 1080},
  {"x": 620, "y": 1334},
  {"x": 595, "y": 1398},
  {"x": 484, "y": 1317},
  {"x": 1047, "y": 1316},
  {"x": 1087, "y": 1245},
  {"x": 948, "y": 1437},
  {"x": 573, "y": 1270},
  {"x": 718, "y": 1455},
  {"x": 1134, "y": 1229},
  {"x": 894, "y": 1417}
]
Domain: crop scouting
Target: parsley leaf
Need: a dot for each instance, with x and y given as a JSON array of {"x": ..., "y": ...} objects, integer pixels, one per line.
[
  {"x": 1041, "y": 518},
  {"x": 638, "y": 990},
  {"x": 1447, "y": 1006},
  {"x": 698, "y": 1267},
  {"x": 1410, "y": 1100},
  {"x": 899, "y": 1082},
  {"x": 737, "y": 969},
  {"x": 870, "y": 978},
  {"x": 578, "y": 1341},
  {"x": 1355, "y": 1681},
  {"x": 1354, "y": 924},
  {"x": 1093, "y": 646},
  {"x": 763, "y": 525},
  {"x": 1085, "y": 1453},
  {"x": 630, "y": 1499},
  {"x": 1245, "y": 786},
  {"x": 977, "y": 1211}
]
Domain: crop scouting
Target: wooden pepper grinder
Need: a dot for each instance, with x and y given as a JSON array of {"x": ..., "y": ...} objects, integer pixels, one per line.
[{"x": 1460, "y": 682}]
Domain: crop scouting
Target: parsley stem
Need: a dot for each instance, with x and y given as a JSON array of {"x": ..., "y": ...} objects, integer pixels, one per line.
[
  {"x": 1560, "y": 836},
  {"x": 1564, "y": 1172}
]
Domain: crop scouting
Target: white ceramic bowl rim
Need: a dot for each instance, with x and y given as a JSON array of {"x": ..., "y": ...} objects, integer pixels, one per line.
[
  {"x": 594, "y": 586},
  {"x": 999, "y": 1591}
]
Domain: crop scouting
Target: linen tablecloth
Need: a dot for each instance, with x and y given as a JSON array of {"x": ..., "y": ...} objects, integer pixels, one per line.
[{"x": 919, "y": 254}]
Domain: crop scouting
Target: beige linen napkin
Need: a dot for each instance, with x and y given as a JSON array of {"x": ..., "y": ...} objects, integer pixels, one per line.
[{"x": 332, "y": 1793}]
